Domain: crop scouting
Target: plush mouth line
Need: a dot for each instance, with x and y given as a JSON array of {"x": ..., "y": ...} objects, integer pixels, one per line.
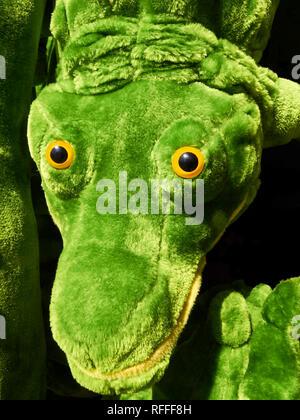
[{"x": 166, "y": 345}]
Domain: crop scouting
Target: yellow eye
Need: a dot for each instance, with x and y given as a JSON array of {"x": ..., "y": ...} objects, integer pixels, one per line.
[
  {"x": 188, "y": 162},
  {"x": 60, "y": 154}
]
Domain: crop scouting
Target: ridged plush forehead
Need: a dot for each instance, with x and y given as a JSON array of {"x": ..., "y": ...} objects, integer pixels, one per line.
[
  {"x": 105, "y": 45},
  {"x": 247, "y": 23},
  {"x": 102, "y": 51}
]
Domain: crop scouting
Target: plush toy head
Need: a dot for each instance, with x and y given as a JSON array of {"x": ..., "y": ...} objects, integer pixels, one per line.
[{"x": 136, "y": 85}]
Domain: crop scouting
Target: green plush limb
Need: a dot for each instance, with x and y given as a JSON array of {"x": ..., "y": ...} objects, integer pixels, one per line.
[
  {"x": 229, "y": 318},
  {"x": 285, "y": 124},
  {"x": 22, "y": 353},
  {"x": 274, "y": 360},
  {"x": 243, "y": 349},
  {"x": 255, "y": 302}
]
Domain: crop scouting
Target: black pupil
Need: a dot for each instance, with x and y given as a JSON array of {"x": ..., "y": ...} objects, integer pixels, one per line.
[
  {"x": 59, "y": 154},
  {"x": 188, "y": 162}
]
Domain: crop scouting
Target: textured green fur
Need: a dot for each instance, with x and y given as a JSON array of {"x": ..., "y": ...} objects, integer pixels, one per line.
[
  {"x": 131, "y": 244},
  {"x": 260, "y": 364},
  {"x": 22, "y": 354},
  {"x": 136, "y": 81}
]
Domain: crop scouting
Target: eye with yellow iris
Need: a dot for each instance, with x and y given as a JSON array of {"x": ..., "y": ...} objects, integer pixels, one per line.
[
  {"x": 60, "y": 154},
  {"x": 188, "y": 162}
]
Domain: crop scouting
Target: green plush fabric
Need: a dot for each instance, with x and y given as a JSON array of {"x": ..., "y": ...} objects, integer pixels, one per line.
[
  {"x": 102, "y": 50},
  {"x": 22, "y": 353},
  {"x": 262, "y": 364},
  {"x": 136, "y": 82},
  {"x": 229, "y": 318},
  {"x": 274, "y": 360},
  {"x": 247, "y": 23}
]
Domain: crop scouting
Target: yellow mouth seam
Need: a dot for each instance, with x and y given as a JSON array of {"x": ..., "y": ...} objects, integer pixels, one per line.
[{"x": 166, "y": 345}]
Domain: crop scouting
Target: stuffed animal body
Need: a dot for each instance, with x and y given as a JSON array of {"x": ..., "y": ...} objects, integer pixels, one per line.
[{"x": 22, "y": 376}]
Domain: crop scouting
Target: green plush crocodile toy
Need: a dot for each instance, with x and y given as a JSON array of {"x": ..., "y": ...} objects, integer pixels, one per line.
[{"x": 149, "y": 91}]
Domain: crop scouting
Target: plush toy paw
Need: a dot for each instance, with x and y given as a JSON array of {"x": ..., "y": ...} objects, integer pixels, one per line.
[
  {"x": 246, "y": 347},
  {"x": 273, "y": 368}
]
